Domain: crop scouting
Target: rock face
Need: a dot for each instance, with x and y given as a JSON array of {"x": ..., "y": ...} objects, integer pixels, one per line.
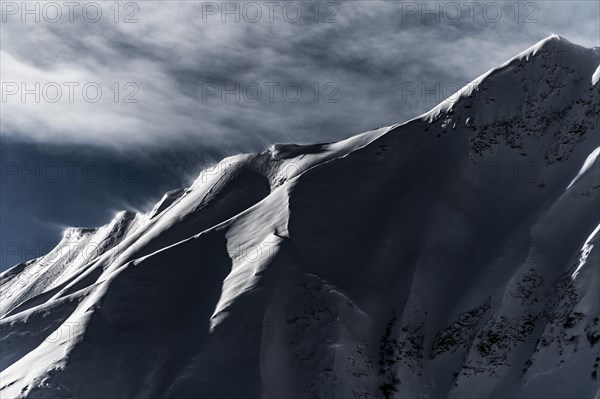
[{"x": 453, "y": 256}]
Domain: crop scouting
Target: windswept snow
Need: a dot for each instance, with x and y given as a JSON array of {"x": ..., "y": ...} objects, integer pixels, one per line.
[{"x": 439, "y": 258}]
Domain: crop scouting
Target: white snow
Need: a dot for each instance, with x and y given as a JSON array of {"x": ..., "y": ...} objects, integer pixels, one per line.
[
  {"x": 328, "y": 270},
  {"x": 596, "y": 76},
  {"x": 589, "y": 161},
  {"x": 585, "y": 251}
]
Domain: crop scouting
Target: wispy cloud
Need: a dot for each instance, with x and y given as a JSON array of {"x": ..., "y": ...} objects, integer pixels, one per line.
[{"x": 234, "y": 85}]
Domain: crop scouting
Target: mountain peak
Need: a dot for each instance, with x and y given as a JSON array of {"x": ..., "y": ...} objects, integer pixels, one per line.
[
  {"x": 551, "y": 43},
  {"x": 555, "y": 52}
]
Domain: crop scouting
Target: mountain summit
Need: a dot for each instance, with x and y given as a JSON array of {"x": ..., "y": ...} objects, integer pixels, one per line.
[{"x": 452, "y": 256}]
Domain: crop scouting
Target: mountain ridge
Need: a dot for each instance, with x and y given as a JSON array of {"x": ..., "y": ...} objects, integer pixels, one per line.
[{"x": 441, "y": 258}]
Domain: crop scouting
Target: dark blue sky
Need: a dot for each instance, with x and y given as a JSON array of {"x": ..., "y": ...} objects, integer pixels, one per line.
[{"x": 184, "y": 83}]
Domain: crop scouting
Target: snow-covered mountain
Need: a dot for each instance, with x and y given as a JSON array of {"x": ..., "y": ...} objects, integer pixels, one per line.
[{"x": 453, "y": 256}]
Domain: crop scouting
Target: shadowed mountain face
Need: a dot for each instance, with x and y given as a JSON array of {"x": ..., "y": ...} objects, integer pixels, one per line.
[{"x": 453, "y": 256}]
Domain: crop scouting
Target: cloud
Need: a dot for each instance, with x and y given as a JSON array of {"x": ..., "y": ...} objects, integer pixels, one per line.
[{"x": 200, "y": 80}]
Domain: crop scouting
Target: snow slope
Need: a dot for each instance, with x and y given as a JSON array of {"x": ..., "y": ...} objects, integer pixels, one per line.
[{"x": 453, "y": 256}]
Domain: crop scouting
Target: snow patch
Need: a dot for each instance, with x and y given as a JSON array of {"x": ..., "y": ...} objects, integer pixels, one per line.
[
  {"x": 596, "y": 76},
  {"x": 585, "y": 251},
  {"x": 586, "y": 166}
]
